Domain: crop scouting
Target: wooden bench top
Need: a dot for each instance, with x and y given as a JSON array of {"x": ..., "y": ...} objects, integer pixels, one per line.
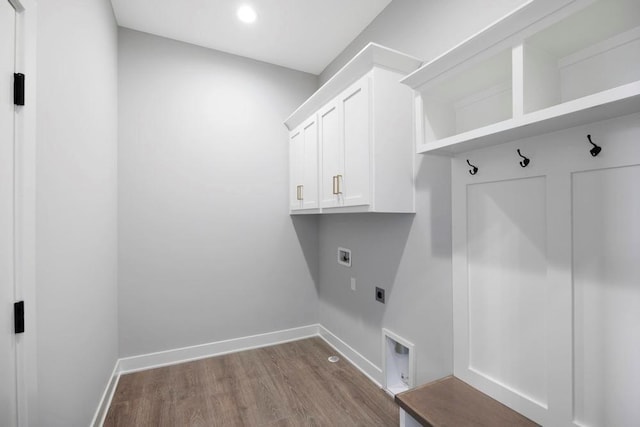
[{"x": 452, "y": 402}]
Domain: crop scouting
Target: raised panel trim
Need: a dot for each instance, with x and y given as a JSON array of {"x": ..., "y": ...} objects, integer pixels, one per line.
[
  {"x": 531, "y": 182},
  {"x": 556, "y": 156},
  {"x": 605, "y": 287}
]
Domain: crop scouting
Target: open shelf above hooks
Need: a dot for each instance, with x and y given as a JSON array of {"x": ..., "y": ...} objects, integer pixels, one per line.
[{"x": 548, "y": 66}]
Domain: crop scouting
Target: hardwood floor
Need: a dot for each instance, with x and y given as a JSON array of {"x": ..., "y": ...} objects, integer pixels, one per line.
[{"x": 290, "y": 384}]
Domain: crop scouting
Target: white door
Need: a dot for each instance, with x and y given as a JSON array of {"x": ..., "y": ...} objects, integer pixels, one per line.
[
  {"x": 310, "y": 182},
  {"x": 8, "y": 412},
  {"x": 296, "y": 153},
  {"x": 355, "y": 183},
  {"x": 332, "y": 145}
]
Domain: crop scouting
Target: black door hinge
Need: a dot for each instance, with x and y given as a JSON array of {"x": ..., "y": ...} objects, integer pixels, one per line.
[
  {"x": 18, "y": 316},
  {"x": 18, "y": 89}
]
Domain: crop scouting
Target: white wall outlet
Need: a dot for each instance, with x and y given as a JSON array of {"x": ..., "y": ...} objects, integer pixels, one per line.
[
  {"x": 344, "y": 257},
  {"x": 353, "y": 283}
]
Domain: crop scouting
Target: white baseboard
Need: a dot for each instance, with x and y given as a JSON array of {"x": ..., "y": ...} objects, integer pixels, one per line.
[
  {"x": 373, "y": 372},
  {"x": 187, "y": 354},
  {"x": 107, "y": 396},
  {"x": 202, "y": 351}
]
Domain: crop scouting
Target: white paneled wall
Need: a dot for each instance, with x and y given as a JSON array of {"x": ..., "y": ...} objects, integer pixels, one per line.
[
  {"x": 606, "y": 296},
  {"x": 507, "y": 283},
  {"x": 546, "y": 274}
]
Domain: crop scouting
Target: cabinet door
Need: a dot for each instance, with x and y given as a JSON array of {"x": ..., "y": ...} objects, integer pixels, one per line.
[
  {"x": 309, "y": 190},
  {"x": 296, "y": 168},
  {"x": 332, "y": 153},
  {"x": 355, "y": 182}
]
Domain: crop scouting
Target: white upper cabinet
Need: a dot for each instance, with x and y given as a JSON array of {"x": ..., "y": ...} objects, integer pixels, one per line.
[
  {"x": 303, "y": 163},
  {"x": 365, "y": 144},
  {"x": 551, "y": 64}
]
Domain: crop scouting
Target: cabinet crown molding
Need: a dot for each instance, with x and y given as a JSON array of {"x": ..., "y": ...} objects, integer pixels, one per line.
[{"x": 370, "y": 56}]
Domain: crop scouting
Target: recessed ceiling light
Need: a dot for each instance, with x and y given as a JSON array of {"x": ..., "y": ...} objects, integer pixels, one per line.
[{"x": 246, "y": 14}]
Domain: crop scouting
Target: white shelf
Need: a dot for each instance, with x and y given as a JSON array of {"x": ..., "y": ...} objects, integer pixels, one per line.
[
  {"x": 605, "y": 105},
  {"x": 557, "y": 66},
  {"x": 496, "y": 37},
  {"x": 372, "y": 55}
]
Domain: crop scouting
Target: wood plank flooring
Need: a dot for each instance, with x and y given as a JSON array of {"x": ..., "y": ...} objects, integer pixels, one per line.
[{"x": 289, "y": 384}]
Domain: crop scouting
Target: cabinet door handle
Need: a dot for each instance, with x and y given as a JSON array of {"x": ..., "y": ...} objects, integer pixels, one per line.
[
  {"x": 334, "y": 185},
  {"x": 302, "y": 192},
  {"x": 299, "y": 192},
  {"x": 338, "y": 178}
]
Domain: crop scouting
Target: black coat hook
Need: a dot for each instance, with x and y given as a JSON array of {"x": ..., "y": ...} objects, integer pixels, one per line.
[
  {"x": 474, "y": 169},
  {"x": 525, "y": 162},
  {"x": 596, "y": 148}
]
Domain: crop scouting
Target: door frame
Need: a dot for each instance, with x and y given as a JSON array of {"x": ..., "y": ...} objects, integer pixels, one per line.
[{"x": 25, "y": 212}]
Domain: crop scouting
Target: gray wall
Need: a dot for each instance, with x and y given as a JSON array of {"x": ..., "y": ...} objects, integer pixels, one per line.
[
  {"x": 76, "y": 222},
  {"x": 207, "y": 250},
  {"x": 409, "y": 256}
]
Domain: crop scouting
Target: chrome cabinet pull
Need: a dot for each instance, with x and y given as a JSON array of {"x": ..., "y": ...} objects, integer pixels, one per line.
[
  {"x": 334, "y": 185},
  {"x": 338, "y": 178},
  {"x": 299, "y": 192}
]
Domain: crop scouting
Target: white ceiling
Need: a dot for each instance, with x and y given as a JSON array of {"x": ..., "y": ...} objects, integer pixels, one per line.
[{"x": 305, "y": 35}]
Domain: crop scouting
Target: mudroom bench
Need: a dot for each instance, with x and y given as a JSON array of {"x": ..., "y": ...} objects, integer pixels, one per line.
[{"x": 452, "y": 402}]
